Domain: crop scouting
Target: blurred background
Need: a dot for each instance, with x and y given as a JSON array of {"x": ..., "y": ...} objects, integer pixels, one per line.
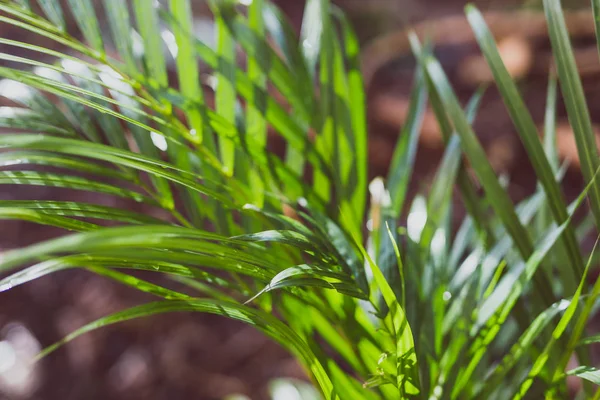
[{"x": 189, "y": 356}]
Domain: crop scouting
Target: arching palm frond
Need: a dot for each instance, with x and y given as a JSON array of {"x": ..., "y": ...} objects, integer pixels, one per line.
[{"x": 245, "y": 158}]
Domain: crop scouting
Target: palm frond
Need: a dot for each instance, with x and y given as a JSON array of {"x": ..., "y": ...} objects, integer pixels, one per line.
[{"x": 278, "y": 238}]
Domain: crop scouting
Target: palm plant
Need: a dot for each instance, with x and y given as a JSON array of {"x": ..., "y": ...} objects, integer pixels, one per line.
[{"x": 278, "y": 239}]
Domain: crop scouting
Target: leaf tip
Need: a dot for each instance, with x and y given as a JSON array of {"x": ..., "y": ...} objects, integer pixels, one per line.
[{"x": 470, "y": 8}]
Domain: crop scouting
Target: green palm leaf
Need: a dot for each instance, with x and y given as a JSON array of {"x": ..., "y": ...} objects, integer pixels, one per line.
[{"x": 377, "y": 308}]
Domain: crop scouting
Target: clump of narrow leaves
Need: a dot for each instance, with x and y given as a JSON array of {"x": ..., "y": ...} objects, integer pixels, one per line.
[{"x": 140, "y": 108}]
